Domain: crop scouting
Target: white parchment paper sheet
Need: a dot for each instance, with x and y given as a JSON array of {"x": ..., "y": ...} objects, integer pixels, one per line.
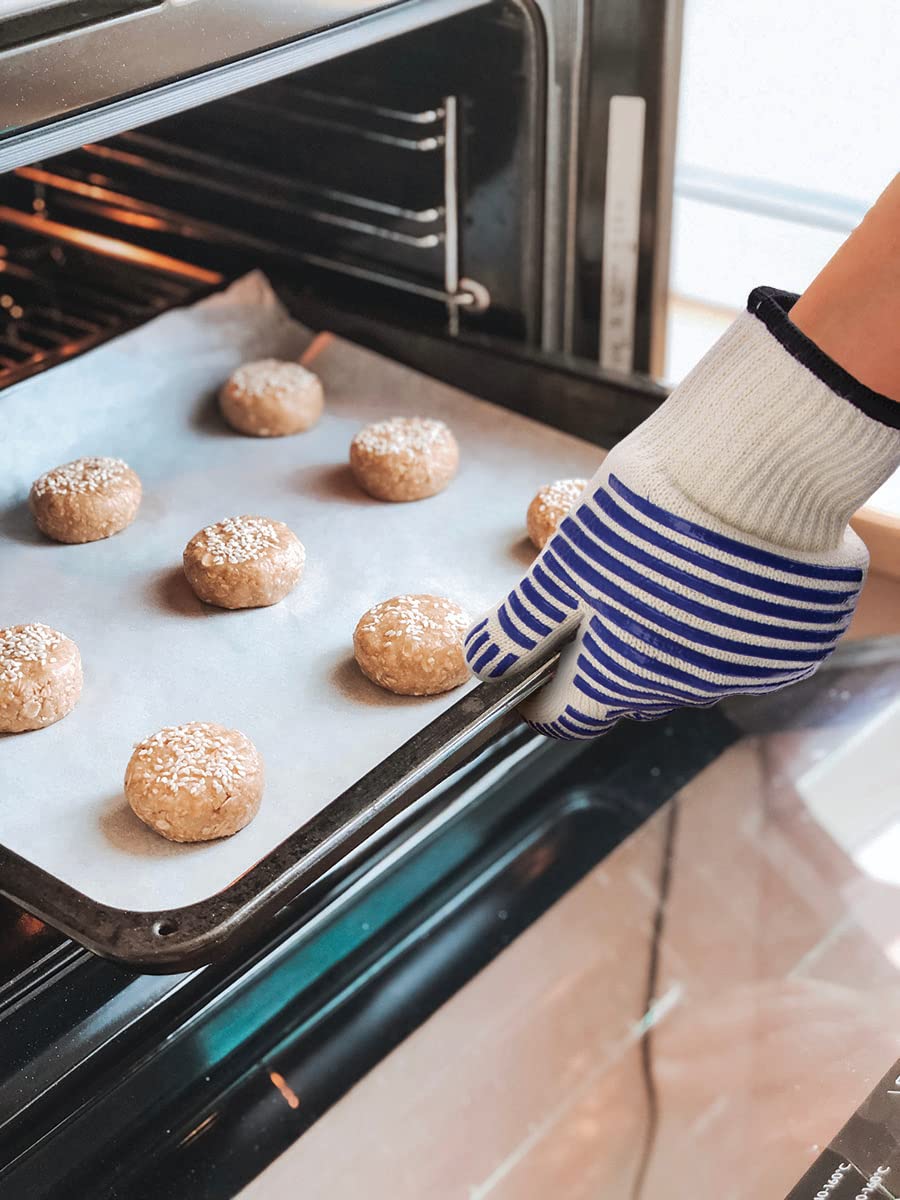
[{"x": 154, "y": 655}]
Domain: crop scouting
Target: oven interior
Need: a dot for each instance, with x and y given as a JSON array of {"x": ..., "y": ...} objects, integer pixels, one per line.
[{"x": 404, "y": 181}]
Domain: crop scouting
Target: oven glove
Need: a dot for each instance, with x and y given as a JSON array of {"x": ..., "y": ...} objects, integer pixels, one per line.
[{"x": 711, "y": 553}]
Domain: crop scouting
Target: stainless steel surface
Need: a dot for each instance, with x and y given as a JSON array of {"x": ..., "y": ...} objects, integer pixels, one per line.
[
  {"x": 669, "y": 86},
  {"x": 564, "y": 32},
  {"x": 95, "y": 82},
  {"x": 451, "y": 214}
]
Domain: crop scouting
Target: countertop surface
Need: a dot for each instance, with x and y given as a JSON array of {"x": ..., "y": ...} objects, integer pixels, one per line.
[{"x": 760, "y": 913}]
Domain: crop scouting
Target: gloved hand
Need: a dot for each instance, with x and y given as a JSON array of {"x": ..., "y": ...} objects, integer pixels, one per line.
[{"x": 711, "y": 552}]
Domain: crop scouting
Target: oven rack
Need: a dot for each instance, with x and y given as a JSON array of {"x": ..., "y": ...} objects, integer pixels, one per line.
[
  {"x": 203, "y": 204},
  {"x": 64, "y": 290}
]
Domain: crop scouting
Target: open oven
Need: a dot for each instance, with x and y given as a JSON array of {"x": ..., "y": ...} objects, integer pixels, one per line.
[
  {"x": 444, "y": 182},
  {"x": 429, "y": 183}
]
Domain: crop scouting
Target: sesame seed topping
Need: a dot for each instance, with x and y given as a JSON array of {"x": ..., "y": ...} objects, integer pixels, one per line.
[
  {"x": 240, "y": 539},
  {"x": 414, "y": 616},
  {"x": 189, "y": 756},
  {"x": 26, "y": 643},
  {"x": 559, "y": 497},
  {"x": 80, "y": 477},
  {"x": 405, "y": 436},
  {"x": 270, "y": 376}
]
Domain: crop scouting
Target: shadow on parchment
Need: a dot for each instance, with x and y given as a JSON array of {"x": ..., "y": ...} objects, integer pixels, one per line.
[
  {"x": 330, "y": 482},
  {"x": 522, "y": 552},
  {"x": 206, "y": 417},
  {"x": 170, "y": 591},
  {"x": 125, "y": 831},
  {"x": 17, "y": 524},
  {"x": 350, "y": 682}
]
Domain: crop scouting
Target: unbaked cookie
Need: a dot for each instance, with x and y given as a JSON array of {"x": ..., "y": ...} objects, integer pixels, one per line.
[
  {"x": 85, "y": 500},
  {"x": 271, "y": 398},
  {"x": 40, "y": 677},
  {"x": 195, "y": 782},
  {"x": 413, "y": 645},
  {"x": 404, "y": 458},
  {"x": 244, "y": 562},
  {"x": 549, "y": 507}
]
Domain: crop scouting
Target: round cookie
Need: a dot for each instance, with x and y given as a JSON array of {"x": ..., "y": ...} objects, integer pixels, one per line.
[
  {"x": 549, "y": 507},
  {"x": 40, "y": 677},
  {"x": 271, "y": 398},
  {"x": 85, "y": 500},
  {"x": 195, "y": 782},
  {"x": 413, "y": 645},
  {"x": 404, "y": 458},
  {"x": 244, "y": 562}
]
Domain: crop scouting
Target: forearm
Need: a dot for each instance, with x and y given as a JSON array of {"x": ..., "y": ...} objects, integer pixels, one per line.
[{"x": 851, "y": 310}]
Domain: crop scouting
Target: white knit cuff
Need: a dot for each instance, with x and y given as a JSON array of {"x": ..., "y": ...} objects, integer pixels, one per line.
[{"x": 771, "y": 436}]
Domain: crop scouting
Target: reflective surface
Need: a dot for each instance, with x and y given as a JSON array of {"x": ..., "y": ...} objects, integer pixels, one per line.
[{"x": 696, "y": 1018}]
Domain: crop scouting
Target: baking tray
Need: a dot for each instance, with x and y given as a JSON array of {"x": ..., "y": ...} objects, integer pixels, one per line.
[{"x": 342, "y": 756}]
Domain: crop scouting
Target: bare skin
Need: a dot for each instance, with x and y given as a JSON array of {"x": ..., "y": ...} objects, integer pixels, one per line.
[{"x": 851, "y": 310}]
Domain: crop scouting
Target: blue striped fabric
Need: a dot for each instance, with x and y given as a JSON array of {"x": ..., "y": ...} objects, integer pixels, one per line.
[{"x": 671, "y": 613}]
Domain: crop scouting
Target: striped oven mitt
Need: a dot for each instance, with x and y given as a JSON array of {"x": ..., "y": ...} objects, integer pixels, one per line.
[{"x": 710, "y": 554}]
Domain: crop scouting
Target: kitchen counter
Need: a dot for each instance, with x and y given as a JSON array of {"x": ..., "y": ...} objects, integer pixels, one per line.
[{"x": 699, "y": 1015}]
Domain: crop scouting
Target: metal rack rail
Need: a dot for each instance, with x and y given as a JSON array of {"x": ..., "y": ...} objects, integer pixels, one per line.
[{"x": 83, "y": 223}]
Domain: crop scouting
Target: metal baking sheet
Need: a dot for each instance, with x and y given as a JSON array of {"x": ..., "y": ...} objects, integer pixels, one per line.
[{"x": 154, "y": 655}]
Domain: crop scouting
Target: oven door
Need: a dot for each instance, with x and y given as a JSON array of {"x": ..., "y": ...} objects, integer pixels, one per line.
[{"x": 79, "y": 70}]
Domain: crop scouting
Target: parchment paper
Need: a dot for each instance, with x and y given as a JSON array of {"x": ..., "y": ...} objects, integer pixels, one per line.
[{"x": 154, "y": 655}]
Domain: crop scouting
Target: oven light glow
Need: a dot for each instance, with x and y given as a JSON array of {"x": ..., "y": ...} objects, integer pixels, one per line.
[{"x": 114, "y": 247}]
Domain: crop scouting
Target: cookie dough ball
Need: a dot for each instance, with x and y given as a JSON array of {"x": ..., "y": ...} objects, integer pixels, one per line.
[
  {"x": 86, "y": 500},
  {"x": 244, "y": 562},
  {"x": 196, "y": 782},
  {"x": 405, "y": 458},
  {"x": 413, "y": 645},
  {"x": 40, "y": 677},
  {"x": 270, "y": 398},
  {"x": 549, "y": 507}
]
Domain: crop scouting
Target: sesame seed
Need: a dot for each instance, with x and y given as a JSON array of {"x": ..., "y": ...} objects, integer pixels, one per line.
[
  {"x": 561, "y": 495},
  {"x": 189, "y": 756},
  {"x": 80, "y": 477},
  {"x": 404, "y": 617},
  {"x": 240, "y": 539},
  {"x": 25, "y": 643},
  {"x": 272, "y": 377},
  {"x": 403, "y": 436}
]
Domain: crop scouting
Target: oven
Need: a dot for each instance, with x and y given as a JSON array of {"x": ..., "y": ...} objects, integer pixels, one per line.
[{"x": 480, "y": 191}]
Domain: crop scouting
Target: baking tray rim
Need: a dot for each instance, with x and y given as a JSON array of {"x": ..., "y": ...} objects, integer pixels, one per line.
[{"x": 172, "y": 940}]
